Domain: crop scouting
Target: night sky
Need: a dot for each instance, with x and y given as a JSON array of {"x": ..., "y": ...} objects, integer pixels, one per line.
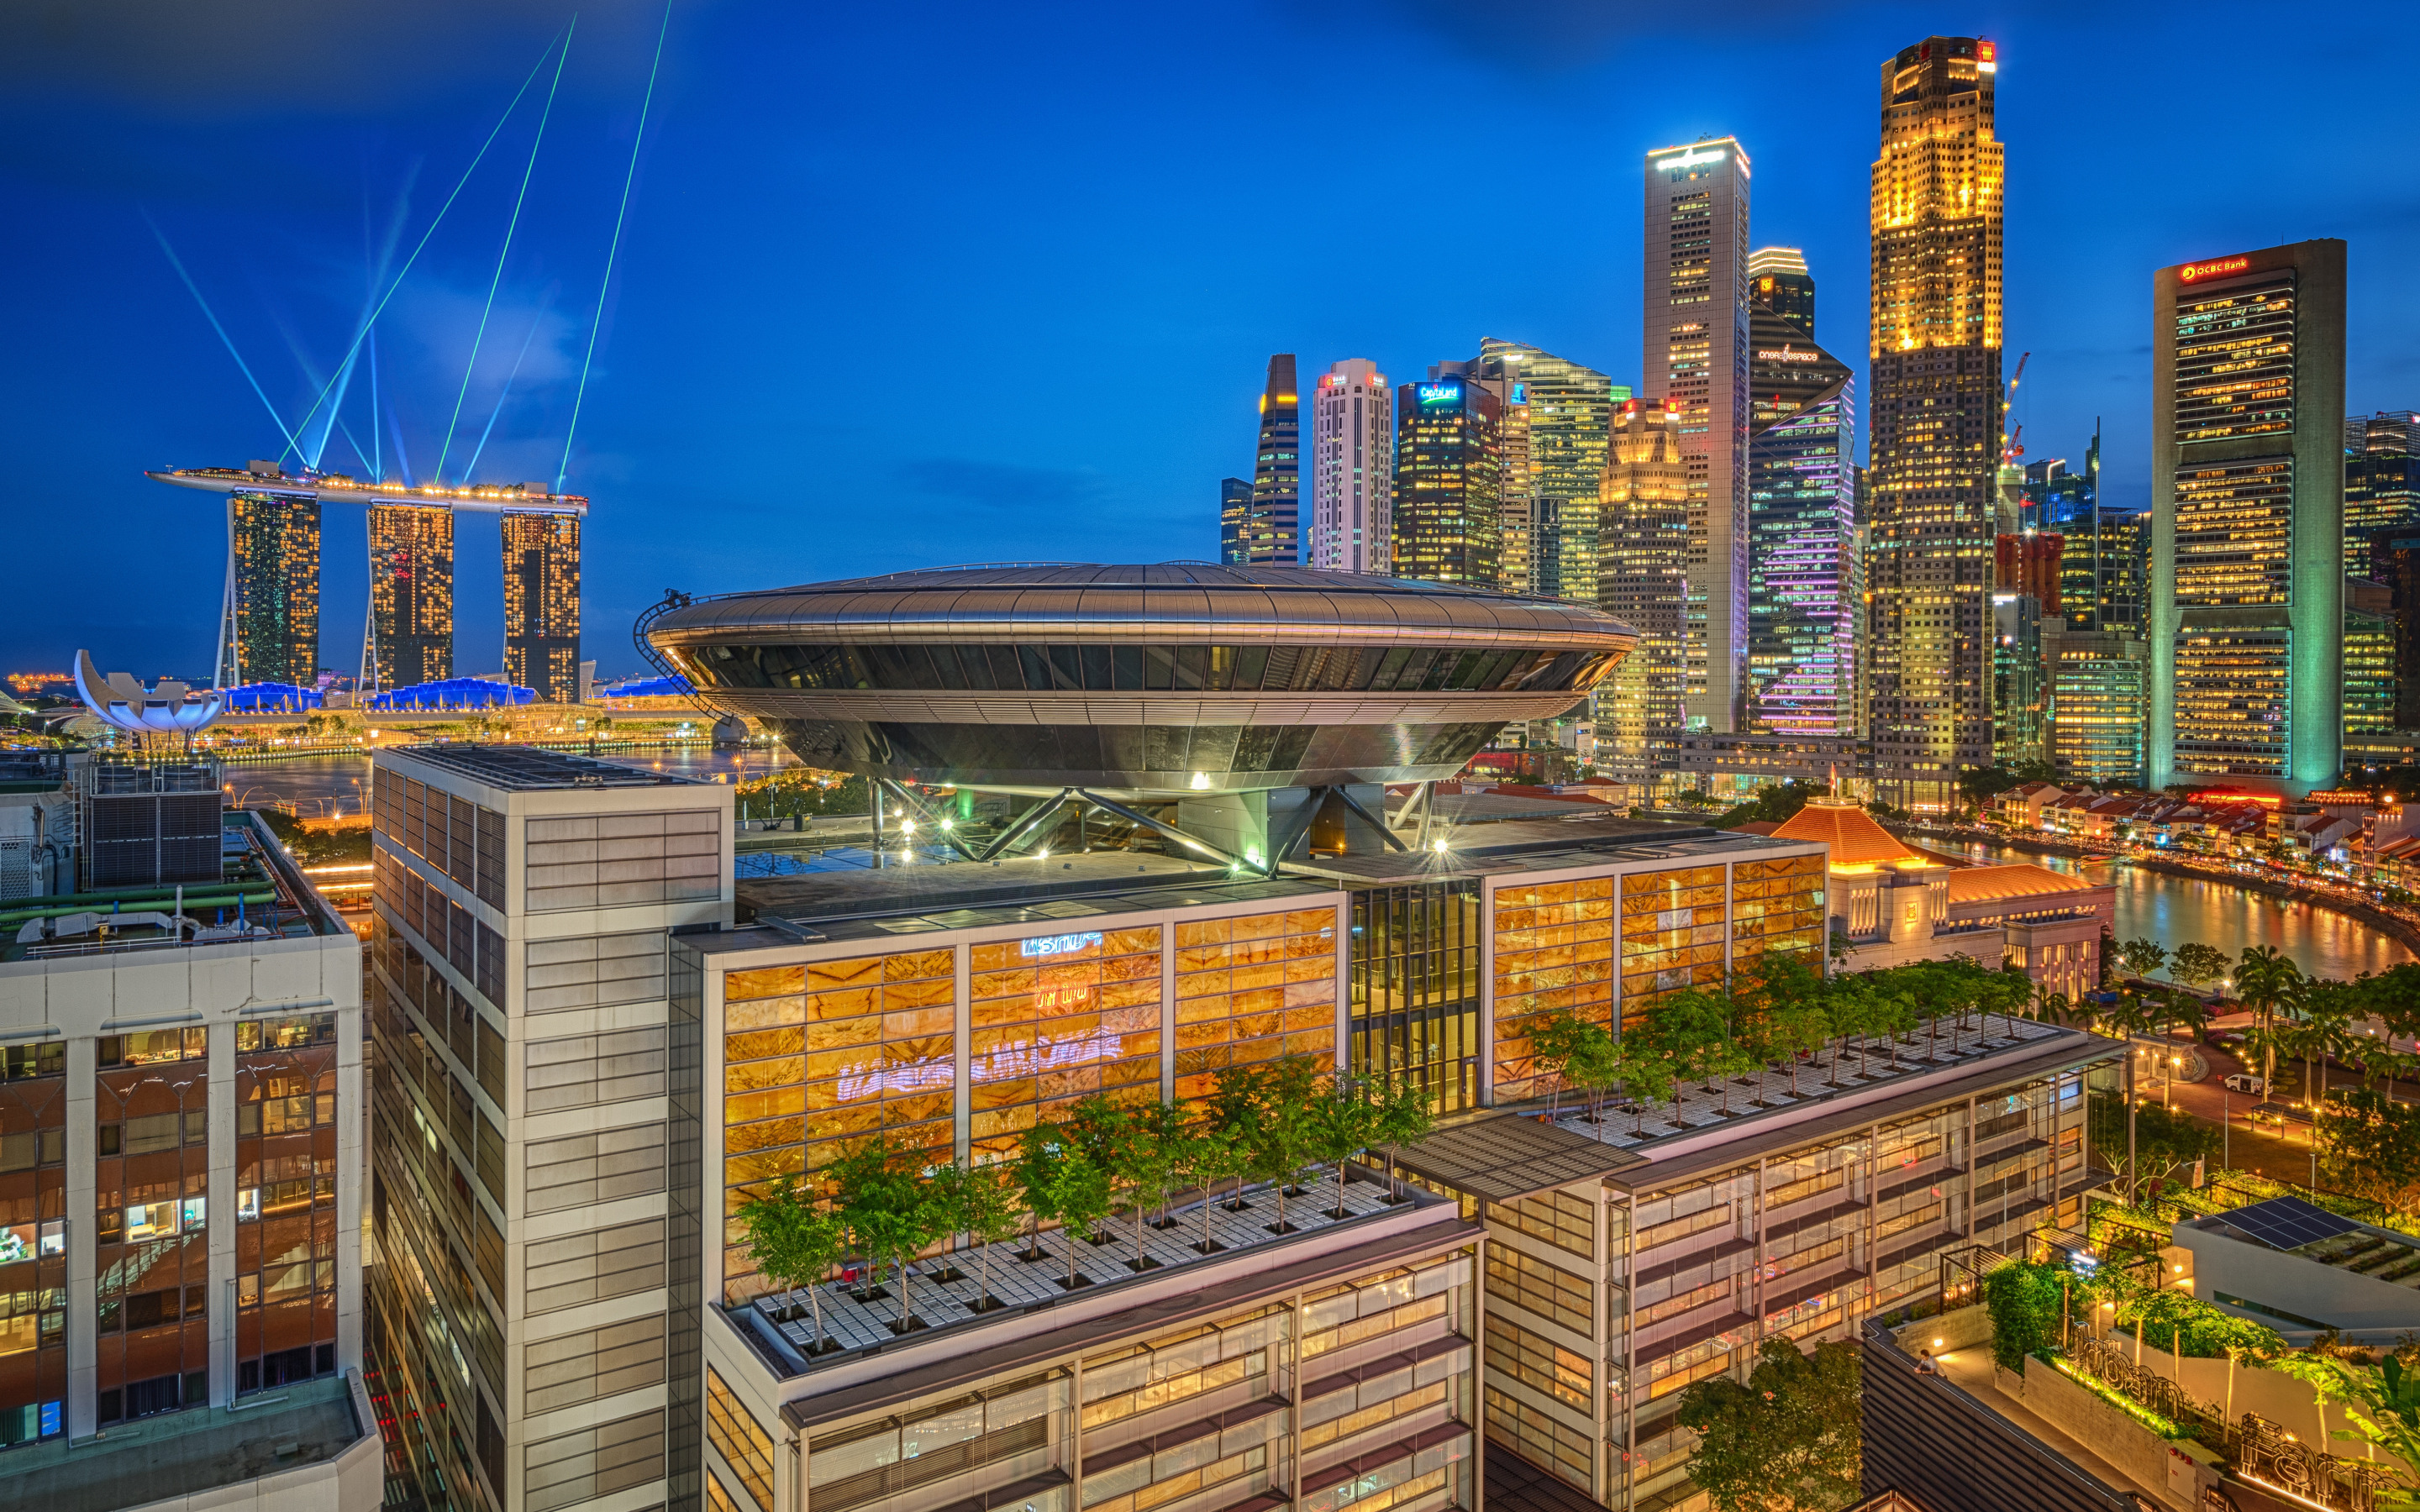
[{"x": 912, "y": 284}]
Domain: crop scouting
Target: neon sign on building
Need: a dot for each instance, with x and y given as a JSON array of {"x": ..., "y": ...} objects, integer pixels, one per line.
[
  {"x": 1440, "y": 393},
  {"x": 2215, "y": 268},
  {"x": 1058, "y": 944}
]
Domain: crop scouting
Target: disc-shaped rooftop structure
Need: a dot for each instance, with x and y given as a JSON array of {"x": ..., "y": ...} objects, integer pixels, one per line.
[{"x": 1165, "y": 680}]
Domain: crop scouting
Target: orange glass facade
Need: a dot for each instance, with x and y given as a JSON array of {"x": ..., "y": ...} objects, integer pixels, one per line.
[
  {"x": 1252, "y": 988},
  {"x": 1673, "y": 935},
  {"x": 820, "y": 1056},
  {"x": 1554, "y": 955},
  {"x": 1777, "y": 906}
]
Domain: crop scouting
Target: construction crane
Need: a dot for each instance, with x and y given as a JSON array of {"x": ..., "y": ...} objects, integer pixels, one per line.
[{"x": 2010, "y": 448}]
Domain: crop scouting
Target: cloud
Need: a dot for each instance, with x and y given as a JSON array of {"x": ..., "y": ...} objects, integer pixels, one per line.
[
  {"x": 1002, "y": 486},
  {"x": 280, "y": 56}
]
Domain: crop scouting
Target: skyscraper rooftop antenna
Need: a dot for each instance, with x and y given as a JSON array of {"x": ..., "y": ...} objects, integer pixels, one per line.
[{"x": 613, "y": 248}]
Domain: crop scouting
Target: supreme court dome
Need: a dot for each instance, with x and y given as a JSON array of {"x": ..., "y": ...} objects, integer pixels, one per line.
[{"x": 1169, "y": 678}]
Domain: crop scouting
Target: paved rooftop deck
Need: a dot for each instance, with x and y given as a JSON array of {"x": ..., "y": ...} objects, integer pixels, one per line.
[{"x": 1020, "y": 1285}]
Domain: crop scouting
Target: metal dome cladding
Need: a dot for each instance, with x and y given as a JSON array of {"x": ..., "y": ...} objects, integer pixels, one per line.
[{"x": 1161, "y": 679}]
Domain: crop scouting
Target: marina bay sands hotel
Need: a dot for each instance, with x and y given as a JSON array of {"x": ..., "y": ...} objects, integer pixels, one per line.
[{"x": 268, "y": 626}]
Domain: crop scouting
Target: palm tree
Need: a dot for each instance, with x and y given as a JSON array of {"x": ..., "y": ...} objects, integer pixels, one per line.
[{"x": 2263, "y": 980}]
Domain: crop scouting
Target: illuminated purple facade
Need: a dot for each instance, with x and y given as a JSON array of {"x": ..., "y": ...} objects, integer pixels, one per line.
[{"x": 1802, "y": 533}]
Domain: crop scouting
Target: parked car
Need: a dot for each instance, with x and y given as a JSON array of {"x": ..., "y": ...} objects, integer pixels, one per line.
[{"x": 2245, "y": 1081}]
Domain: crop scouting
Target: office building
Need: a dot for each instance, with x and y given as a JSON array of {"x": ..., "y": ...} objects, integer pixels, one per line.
[
  {"x": 2394, "y": 560},
  {"x": 2098, "y": 687},
  {"x": 410, "y": 638},
  {"x": 1778, "y": 280},
  {"x": 1448, "y": 478},
  {"x": 1565, "y": 414},
  {"x": 1516, "y": 561},
  {"x": 2247, "y": 517},
  {"x": 1352, "y": 470},
  {"x": 1802, "y": 525},
  {"x": 2121, "y": 569},
  {"x": 1234, "y": 519},
  {"x": 1643, "y": 581},
  {"x": 1271, "y": 534},
  {"x": 2370, "y": 658},
  {"x": 1319, "y": 1369},
  {"x": 1934, "y": 419},
  {"x": 1131, "y": 948},
  {"x": 2020, "y": 693},
  {"x": 542, "y": 604},
  {"x": 1696, "y": 334},
  {"x": 2032, "y": 565},
  {"x": 520, "y": 1307},
  {"x": 2381, "y": 481},
  {"x": 1623, "y": 1268},
  {"x": 270, "y": 632},
  {"x": 182, "y": 1109}
]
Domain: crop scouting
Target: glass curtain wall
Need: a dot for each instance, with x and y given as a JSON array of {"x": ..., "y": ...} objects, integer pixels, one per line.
[{"x": 1416, "y": 989}]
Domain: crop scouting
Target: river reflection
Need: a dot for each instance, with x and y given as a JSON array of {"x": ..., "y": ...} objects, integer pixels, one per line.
[{"x": 2173, "y": 910}]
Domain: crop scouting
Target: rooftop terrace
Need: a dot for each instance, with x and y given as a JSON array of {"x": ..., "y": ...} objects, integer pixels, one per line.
[
  {"x": 260, "y": 896},
  {"x": 535, "y": 769},
  {"x": 945, "y": 1291},
  {"x": 191, "y": 1453},
  {"x": 919, "y": 898}
]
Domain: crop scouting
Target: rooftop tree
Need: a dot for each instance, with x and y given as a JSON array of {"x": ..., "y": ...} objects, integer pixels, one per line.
[{"x": 793, "y": 1241}]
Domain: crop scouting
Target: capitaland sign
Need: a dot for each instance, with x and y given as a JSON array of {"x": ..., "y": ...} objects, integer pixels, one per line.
[
  {"x": 1692, "y": 157},
  {"x": 1440, "y": 393},
  {"x": 2215, "y": 268}
]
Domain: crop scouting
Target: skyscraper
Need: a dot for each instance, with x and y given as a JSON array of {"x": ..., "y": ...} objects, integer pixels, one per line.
[
  {"x": 1235, "y": 520},
  {"x": 1802, "y": 520},
  {"x": 271, "y": 629},
  {"x": 1644, "y": 583},
  {"x": 1935, "y": 335},
  {"x": 1271, "y": 536},
  {"x": 2248, "y": 518},
  {"x": 1352, "y": 469},
  {"x": 1568, "y": 412},
  {"x": 1696, "y": 360},
  {"x": 411, "y": 636},
  {"x": 2370, "y": 647},
  {"x": 1516, "y": 560},
  {"x": 542, "y": 603},
  {"x": 1778, "y": 278},
  {"x": 1448, "y": 478},
  {"x": 2381, "y": 481}
]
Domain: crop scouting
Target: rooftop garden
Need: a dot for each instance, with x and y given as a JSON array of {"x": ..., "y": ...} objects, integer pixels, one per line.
[
  {"x": 885, "y": 1242},
  {"x": 1781, "y": 1034}
]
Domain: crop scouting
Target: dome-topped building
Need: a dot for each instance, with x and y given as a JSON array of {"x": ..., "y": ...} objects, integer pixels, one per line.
[{"x": 1165, "y": 680}]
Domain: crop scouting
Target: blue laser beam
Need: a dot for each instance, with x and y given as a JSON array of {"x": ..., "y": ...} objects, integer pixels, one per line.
[
  {"x": 614, "y": 247},
  {"x": 363, "y": 334},
  {"x": 225, "y": 340},
  {"x": 494, "y": 414},
  {"x": 505, "y": 251}
]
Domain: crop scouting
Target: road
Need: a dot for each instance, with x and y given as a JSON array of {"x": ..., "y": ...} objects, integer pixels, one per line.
[{"x": 2281, "y": 1154}]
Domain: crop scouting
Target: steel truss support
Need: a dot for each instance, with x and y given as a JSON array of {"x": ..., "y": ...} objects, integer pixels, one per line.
[{"x": 1345, "y": 794}]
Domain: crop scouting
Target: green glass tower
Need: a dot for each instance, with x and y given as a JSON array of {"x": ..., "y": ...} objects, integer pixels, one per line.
[
  {"x": 2247, "y": 519},
  {"x": 1569, "y": 414}
]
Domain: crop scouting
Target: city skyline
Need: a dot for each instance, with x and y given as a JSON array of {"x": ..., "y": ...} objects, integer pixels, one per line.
[{"x": 670, "y": 392}]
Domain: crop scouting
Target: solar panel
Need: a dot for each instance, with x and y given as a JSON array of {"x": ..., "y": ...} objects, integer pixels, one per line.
[{"x": 2289, "y": 1223}]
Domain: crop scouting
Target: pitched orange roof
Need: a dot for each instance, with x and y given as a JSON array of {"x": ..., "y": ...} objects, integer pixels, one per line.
[
  {"x": 1985, "y": 884},
  {"x": 1850, "y": 833}
]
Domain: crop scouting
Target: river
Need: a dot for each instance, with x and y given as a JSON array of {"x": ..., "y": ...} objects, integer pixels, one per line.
[{"x": 2172, "y": 910}]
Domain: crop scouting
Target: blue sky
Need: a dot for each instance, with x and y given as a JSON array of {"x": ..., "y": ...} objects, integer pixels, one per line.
[{"x": 912, "y": 284}]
